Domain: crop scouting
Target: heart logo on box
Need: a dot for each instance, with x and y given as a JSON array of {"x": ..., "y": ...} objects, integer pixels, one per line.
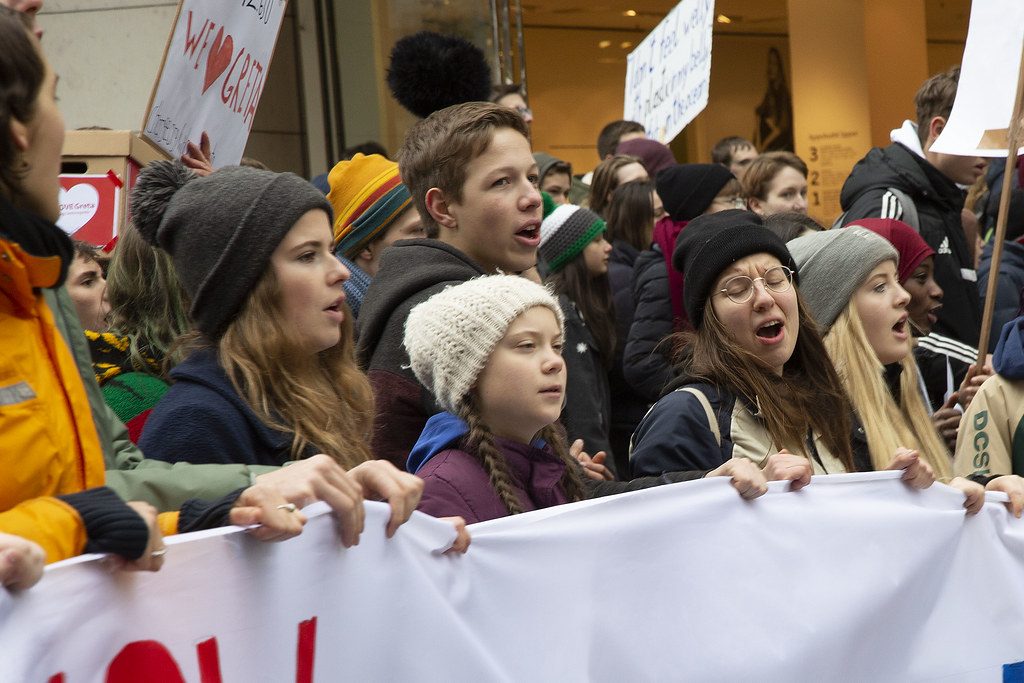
[
  {"x": 218, "y": 58},
  {"x": 77, "y": 207}
]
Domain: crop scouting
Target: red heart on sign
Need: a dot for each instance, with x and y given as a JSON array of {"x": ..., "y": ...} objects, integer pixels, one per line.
[{"x": 218, "y": 58}]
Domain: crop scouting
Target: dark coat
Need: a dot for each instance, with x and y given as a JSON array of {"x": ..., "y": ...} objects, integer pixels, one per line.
[
  {"x": 202, "y": 419},
  {"x": 1008, "y": 289},
  {"x": 938, "y": 202},
  {"x": 646, "y": 363},
  {"x": 587, "y": 411},
  {"x": 411, "y": 271},
  {"x": 630, "y": 406}
]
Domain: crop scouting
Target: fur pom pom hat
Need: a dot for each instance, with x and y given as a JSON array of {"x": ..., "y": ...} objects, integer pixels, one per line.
[
  {"x": 220, "y": 230},
  {"x": 451, "y": 335},
  {"x": 430, "y": 71}
]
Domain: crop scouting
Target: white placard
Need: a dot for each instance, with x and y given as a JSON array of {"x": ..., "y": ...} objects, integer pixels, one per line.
[
  {"x": 857, "y": 578},
  {"x": 213, "y": 74},
  {"x": 668, "y": 74},
  {"x": 980, "y": 120}
]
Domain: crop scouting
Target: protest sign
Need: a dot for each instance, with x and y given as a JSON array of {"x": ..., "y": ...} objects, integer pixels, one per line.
[
  {"x": 980, "y": 120},
  {"x": 89, "y": 206},
  {"x": 668, "y": 73},
  {"x": 855, "y": 577},
  {"x": 213, "y": 74}
]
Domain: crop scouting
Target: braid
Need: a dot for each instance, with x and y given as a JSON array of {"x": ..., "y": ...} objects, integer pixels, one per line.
[
  {"x": 572, "y": 481},
  {"x": 480, "y": 443}
]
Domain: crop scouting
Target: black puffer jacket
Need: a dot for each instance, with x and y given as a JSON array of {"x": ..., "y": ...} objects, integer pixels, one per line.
[
  {"x": 646, "y": 360},
  {"x": 938, "y": 202}
]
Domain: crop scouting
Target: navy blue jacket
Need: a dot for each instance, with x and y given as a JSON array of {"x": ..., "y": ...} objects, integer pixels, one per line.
[
  {"x": 1008, "y": 289},
  {"x": 202, "y": 419}
]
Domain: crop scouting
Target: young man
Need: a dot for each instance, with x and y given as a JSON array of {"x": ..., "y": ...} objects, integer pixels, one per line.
[
  {"x": 735, "y": 153},
  {"x": 930, "y": 180},
  {"x": 555, "y": 177},
  {"x": 474, "y": 182}
]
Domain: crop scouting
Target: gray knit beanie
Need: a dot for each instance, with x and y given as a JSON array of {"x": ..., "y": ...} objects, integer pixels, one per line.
[
  {"x": 451, "y": 335},
  {"x": 566, "y": 232},
  {"x": 220, "y": 230},
  {"x": 833, "y": 264}
]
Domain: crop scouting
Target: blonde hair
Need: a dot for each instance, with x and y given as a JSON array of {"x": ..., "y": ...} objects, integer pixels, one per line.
[
  {"x": 888, "y": 426},
  {"x": 324, "y": 400}
]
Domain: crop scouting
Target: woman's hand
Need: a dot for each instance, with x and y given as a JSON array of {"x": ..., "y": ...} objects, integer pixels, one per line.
[
  {"x": 197, "y": 157},
  {"x": 21, "y": 562},
  {"x": 973, "y": 381},
  {"x": 380, "y": 480},
  {"x": 262, "y": 505},
  {"x": 1013, "y": 486},
  {"x": 916, "y": 472},
  {"x": 947, "y": 420},
  {"x": 974, "y": 492},
  {"x": 745, "y": 477},
  {"x": 593, "y": 467},
  {"x": 462, "y": 539},
  {"x": 784, "y": 466},
  {"x": 152, "y": 557}
]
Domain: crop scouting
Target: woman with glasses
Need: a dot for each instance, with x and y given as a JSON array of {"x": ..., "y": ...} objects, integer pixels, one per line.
[
  {"x": 754, "y": 379},
  {"x": 849, "y": 279}
]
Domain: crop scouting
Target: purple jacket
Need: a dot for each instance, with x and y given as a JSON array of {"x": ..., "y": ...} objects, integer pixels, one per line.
[{"x": 455, "y": 482}]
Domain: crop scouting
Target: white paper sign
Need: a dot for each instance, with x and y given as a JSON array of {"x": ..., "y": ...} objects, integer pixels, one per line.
[
  {"x": 667, "y": 75},
  {"x": 213, "y": 75},
  {"x": 980, "y": 120},
  {"x": 856, "y": 578}
]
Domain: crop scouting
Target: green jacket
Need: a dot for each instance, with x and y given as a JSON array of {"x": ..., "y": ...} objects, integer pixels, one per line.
[{"x": 164, "y": 485}]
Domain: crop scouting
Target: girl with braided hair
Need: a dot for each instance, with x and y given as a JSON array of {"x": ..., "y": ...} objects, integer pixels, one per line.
[{"x": 490, "y": 350}]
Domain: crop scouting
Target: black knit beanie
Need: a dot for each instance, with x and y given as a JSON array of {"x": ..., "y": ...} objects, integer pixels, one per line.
[
  {"x": 709, "y": 244},
  {"x": 687, "y": 190},
  {"x": 220, "y": 230}
]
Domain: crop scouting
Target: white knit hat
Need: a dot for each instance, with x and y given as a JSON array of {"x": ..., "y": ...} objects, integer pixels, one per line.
[{"x": 451, "y": 335}]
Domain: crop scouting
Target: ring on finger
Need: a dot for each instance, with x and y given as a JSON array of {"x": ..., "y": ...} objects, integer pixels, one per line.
[
  {"x": 159, "y": 553},
  {"x": 288, "y": 507}
]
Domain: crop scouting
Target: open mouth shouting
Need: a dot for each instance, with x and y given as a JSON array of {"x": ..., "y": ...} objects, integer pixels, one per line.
[
  {"x": 529, "y": 234},
  {"x": 770, "y": 332}
]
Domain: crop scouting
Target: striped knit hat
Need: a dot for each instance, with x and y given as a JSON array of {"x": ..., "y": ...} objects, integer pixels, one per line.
[
  {"x": 565, "y": 233},
  {"x": 367, "y": 195}
]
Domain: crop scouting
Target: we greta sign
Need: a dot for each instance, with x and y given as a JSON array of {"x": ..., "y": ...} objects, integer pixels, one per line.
[{"x": 213, "y": 75}]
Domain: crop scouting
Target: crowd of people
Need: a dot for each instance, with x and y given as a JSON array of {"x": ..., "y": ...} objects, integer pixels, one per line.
[{"x": 475, "y": 331}]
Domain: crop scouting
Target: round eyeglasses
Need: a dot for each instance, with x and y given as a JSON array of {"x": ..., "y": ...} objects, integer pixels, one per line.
[{"x": 740, "y": 289}]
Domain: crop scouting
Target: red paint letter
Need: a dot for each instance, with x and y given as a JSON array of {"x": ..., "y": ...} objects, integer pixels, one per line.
[{"x": 306, "y": 651}]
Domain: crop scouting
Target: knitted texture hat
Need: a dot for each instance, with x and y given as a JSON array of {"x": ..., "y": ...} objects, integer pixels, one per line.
[
  {"x": 367, "y": 195},
  {"x": 221, "y": 231},
  {"x": 910, "y": 246},
  {"x": 687, "y": 190},
  {"x": 709, "y": 244},
  {"x": 566, "y": 232},
  {"x": 544, "y": 163},
  {"x": 451, "y": 335},
  {"x": 653, "y": 155},
  {"x": 833, "y": 264}
]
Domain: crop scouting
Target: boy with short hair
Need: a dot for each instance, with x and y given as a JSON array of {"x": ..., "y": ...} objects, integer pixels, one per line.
[
  {"x": 881, "y": 184},
  {"x": 735, "y": 153},
  {"x": 474, "y": 181}
]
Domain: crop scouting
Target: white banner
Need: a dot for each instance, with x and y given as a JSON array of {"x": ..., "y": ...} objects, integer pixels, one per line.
[
  {"x": 213, "y": 74},
  {"x": 980, "y": 120},
  {"x": 668, "y": 73},
  {"x": 857, "y": 577}
]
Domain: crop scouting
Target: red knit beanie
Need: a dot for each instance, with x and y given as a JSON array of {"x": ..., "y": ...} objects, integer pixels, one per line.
[{"x": 911, "y": 246}]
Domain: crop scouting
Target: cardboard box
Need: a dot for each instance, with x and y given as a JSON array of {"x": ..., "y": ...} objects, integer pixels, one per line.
[{"x": 98, "y": 170}]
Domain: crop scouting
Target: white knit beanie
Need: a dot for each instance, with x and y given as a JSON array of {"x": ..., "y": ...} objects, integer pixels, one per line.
[{"x": 451, "y": 335}]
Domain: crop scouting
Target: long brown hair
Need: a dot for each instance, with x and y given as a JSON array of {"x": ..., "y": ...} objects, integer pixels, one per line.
[
  {"x": 593, "y": 297},
  {"x": 605, "y": 180},
  {"x": 480, "y": 443},
  {"x": 631, "y": 214},
  {"x": 22, "y": 73},
  {"x": 808, "y": 395},
  {"x": 323, "y": 400}
]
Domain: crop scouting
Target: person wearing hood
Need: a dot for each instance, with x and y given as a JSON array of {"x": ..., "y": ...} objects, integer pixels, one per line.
[
  {"x": 687, "y": 191},
  {"x": 882, "y": 183},
  {"x": 490, "y": 350},
  {"x": 555, "y": 177},
  {"x": 991, "y": 443}
]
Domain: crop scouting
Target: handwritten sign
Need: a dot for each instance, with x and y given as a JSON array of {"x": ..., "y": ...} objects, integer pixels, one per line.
[
  {"x": 89, "y": 207},
  {"x": 667, "y": 75},
  {"x": 980, "y": 120},
  {"x": 213, "y": 74}
]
